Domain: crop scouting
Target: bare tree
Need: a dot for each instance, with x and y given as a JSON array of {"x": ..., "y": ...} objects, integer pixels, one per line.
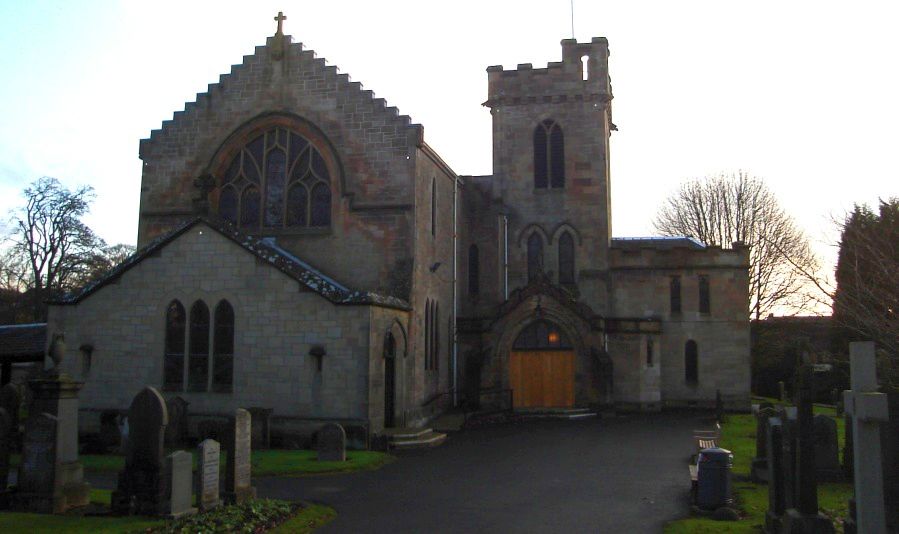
[
  {"x": 739, "y": 208},
  {"x": 50, "y": 245}
]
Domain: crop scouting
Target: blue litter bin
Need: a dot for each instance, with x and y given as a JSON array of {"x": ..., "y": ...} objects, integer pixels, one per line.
[{"x": 713, "y": 480}]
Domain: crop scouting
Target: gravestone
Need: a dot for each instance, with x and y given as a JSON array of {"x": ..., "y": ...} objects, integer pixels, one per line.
[
  {"x": 868, "y": 409},
  {"x": 356, "y": 437},
  {"x": 827, "y": 449},
  {"x": 803, "y": 517},
  {"x": 51, "y": 479},
  {"x": 261, "y": 425},
  {"x": 179, "y": 485},
  {"x": 776, "y": 474},
  {"x": 142, "y": 488},
  {"x": 6, "y": 437},
  {"x": 208, "y": 474},
  {"x": 176, "y": 431},
  {"x": 759, "y": 467},
  {"x": 331, "y": 443},
  {"x": 238, "y": 486}
]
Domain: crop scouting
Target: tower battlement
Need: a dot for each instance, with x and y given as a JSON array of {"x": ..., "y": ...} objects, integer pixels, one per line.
[{"x": 583, "y": 74}]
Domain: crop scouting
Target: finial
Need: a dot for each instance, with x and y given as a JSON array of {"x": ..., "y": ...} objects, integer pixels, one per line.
[{"x": 280, "y": 18}]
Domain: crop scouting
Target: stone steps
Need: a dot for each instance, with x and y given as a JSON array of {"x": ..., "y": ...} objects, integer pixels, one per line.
[{"x": 414, "y": 438}]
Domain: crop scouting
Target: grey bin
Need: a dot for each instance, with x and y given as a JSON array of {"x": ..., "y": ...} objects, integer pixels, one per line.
[{"x": 713, "y": 480}]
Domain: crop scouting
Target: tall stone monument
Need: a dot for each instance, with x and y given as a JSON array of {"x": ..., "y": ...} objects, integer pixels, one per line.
[
  {"x": 142, "y": 487},
  {"x": 51, "y": 479},
  {"x": 238, "y": 486},
  {"x": 867, "y": 408}
]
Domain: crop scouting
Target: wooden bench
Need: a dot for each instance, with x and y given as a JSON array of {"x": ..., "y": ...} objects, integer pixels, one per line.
[{"x": 707, "y": 439}]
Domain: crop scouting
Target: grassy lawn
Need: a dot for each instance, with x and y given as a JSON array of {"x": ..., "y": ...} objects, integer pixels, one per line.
[
  {"x": 265, "y": 463},
  {"x": 738, "y": 436},
  {"x": 307, "y": 520}
]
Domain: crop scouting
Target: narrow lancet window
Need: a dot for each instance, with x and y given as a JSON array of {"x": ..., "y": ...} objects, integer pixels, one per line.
[
  {"x": 223, "y": 348},
  {"x": 549, "y": 156},
  {"x": 175, "y": 321},
  {"x": 566, "y": 259},
  {"x": 535, "y": 256},
  {"x": 198, "y": 356}
]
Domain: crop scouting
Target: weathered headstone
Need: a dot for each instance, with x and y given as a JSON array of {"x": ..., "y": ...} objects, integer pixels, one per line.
[
  {"x": 176, "y": 431},
  {"x": 331, "y": 443},
  {"x": 261, "y": 425},
  {"x": 803, "y": 517},
  {"x": 827, "y": 453},
  {"x": 208, "y": 474},
  {"x": 5, "y": 449},
  {"x": 141, "y": 488},
  {"x": 51, "y": 479},
  {"x": 776, "y": 474},
  {"x": 179, "y": 485},
  {"x": 759, "y": 466},
  {"x": 868, "y": 409},
  {"x": 238, "y": 486}
]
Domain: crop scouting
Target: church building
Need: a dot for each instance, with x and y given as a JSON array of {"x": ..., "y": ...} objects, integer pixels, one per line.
[{"x": 301, "y": 248}]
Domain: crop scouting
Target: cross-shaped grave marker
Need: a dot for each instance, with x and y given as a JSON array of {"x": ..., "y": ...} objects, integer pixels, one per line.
[{"x": 868, "y": 409}]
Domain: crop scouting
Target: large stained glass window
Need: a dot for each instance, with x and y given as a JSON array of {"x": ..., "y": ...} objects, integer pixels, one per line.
[{"x": 279, "y": 179}]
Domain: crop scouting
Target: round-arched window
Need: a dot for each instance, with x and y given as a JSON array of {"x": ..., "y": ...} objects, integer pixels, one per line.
[
  {"x": 279, "y": 179},
  {"x": 542, "y": 335}
]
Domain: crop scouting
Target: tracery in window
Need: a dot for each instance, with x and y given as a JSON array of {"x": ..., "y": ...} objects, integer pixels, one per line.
[
  {"x": 278, "y": 179},
  {"x": 549, "y": 156},
  {"x": 566, "y": 259}
]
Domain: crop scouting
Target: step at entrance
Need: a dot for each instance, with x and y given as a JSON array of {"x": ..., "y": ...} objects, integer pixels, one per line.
[
  {"x": 556, "y": 413},
  {"x": 414, "y": 438}
]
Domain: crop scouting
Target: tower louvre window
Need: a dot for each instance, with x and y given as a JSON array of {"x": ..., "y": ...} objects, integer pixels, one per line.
[{"x": 549, "y": 156}]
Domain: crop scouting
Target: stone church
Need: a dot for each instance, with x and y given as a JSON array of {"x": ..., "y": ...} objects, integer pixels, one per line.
[{"x": 302, "y": 248}]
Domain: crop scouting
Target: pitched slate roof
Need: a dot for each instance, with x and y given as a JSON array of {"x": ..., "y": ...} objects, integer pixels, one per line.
[
  {"x": 22, "y": 340},
  {"x": 267, "y": 250},
  {"x": 664, "y": 243}
]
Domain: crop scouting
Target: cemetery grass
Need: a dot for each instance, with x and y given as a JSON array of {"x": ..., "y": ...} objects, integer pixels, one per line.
[
  {"x": 265, "y": 462},
  {"x": 738, "y": 436}
]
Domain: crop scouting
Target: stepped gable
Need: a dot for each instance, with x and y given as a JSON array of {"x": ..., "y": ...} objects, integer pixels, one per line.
[{"x": 283, "y": 77}]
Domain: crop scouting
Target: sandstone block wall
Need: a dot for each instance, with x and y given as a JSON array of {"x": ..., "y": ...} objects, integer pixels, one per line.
[{"x": 276, "y": 324}]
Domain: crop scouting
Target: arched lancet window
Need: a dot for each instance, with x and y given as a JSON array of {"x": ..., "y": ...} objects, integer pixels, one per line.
[
  {"x": 691, "y": 363},
  {"x": 542, "y": 335},
  {"x": 198, "y": 355},
  {"x": 433, "y": 206},
  {"x": 280, "y": 179},
  {"x": 389, "y": 346},
  {"x": 175, "y": 326},
  {"x": 223, "y": 348},
  {"x": 549, "y": 155},
  {"x": 535, "y": 256},
  {"x": 566, "y": 259},
  {"x": 675, "y": 294},
  {"x": 474, "y": 270}
]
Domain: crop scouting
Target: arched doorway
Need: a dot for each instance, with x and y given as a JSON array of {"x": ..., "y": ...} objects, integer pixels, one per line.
[
  {"x": 389, "y": 380},
  {"x": 541, "y": 367}
]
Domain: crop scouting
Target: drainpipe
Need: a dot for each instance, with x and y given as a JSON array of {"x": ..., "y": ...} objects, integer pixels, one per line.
[{"x": 455, "y": 291}]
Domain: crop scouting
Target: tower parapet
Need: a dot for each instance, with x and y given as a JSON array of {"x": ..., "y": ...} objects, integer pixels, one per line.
[{"x": 583, "y": 74}]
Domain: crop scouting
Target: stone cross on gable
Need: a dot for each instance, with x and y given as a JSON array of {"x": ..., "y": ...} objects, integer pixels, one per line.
[
  {"x": 280, "y": 19},
  {"x": 868, "y": 409}
]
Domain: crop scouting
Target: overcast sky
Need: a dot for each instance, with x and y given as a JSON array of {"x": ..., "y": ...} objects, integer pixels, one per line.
[{"x": 803, "y": 94}]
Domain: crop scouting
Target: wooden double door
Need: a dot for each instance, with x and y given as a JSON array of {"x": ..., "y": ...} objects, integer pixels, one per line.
[{"x": 542, "y": 378}]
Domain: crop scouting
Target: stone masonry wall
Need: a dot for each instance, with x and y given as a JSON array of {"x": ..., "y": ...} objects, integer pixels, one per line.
[
  {"x": 373, "y": 145},
  {"x": 276, "y": 324}
]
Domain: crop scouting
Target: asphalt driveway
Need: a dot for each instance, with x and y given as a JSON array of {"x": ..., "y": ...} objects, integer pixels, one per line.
[{"x": 621, "y": 475}]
